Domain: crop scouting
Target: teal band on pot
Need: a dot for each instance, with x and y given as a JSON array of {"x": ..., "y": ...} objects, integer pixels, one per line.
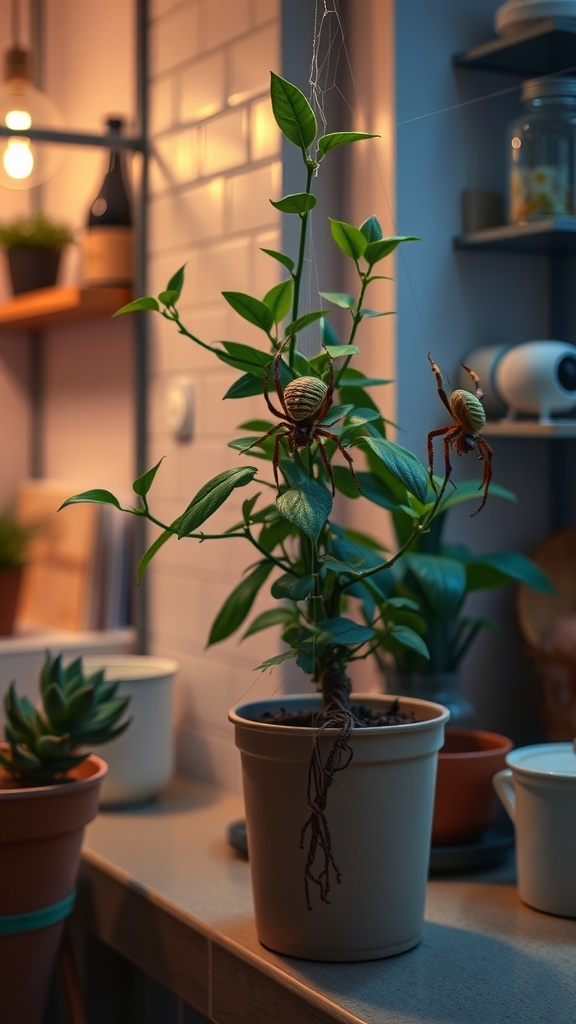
[{"x": 15, "y": 924}]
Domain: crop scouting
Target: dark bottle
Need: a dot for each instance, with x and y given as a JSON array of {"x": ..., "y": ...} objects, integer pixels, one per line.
[{"x": 109, "y": 235}]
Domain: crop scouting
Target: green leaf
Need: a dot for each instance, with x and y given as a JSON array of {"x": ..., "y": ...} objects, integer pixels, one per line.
[
  {"x": 441, "y": 580},
  {"x": 304, "y": 321},
  {"x": 501, "y": 567},
  {"x": 212, "y": 495},
  {"x": 244, "y": 357},
  {"x": 334, "y": 139},
  {"x": 401, "y": 463},
  {"x": 349, "y": 239},
  {"x": 342, "y": 632},
  {"x": 238, "y": 603},
  {"x": 278, "y": 659},
  {"x": 409, "y": 638},
  {"x": 300, "y": 202},
  {"x": 340, "y": 299},
  {"x": 176, "y": 283},
  {"x": 293, "y": 588},
  {"x": 143, "y": 483},
  {"x": 93, "y": 497},
  {"x": 376, "y": 251},
  {"x": 282, "y": 258},
  {"x": 146, "y": 302},
  {"x": 306, "y": 507},
  {"x": 251, "y": 309},
  {"x": 245, "y": 387},
  {"x": 292, "y": 112},
  {"x": 371, "y": 229},
  {"x": 274, "y": 617},
  {"x": 151, "y": 551},
  {"x": 279, "y": 299}
]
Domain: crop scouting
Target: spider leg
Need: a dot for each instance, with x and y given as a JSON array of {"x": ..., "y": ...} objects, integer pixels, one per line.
[
  {"x": 486, "y": 456},
  {"x": 273, "y": 410},
  {"x": 264, "y": 436},
  {"x": 276, "y": 456},
  {"x": 326, "y": 463},
  {"x": 430, "y": 448},
  {"x": 341, "y": 449},
  {"x": 476, "y": 379},
  {"x": 439, "y": 383}
]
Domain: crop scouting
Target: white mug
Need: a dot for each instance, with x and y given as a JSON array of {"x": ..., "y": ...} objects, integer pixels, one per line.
[{"x": 538, "y": 790}]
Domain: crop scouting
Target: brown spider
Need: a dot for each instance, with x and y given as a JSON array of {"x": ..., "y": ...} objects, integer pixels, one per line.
[
  {"x": 305, "y": 402},
  {"x": 463, "y": 437}
]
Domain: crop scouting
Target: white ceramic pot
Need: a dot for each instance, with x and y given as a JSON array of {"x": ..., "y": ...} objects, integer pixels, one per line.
[
  {"x": 538, "y": 789},
  {"x": 141, "y": 760},
  {"x": 379, "y": 813}
]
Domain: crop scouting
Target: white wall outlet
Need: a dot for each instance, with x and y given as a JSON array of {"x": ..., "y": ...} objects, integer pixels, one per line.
[{"x": 180, "y": 408}]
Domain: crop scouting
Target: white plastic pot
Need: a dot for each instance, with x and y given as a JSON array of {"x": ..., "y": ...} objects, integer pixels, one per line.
[
  {"x": 379, "y": 813},
  {"x": 141, "y": 760}
]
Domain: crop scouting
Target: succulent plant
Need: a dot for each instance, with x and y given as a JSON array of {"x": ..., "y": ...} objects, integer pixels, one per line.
[{"x": 75, "y": 712}]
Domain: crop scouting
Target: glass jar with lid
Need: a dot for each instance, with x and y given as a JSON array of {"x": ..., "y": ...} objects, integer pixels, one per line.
[{"x": 542, "y": 152}]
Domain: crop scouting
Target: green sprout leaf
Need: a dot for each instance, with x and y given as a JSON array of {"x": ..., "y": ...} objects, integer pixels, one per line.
[
  {"x": 238, "y": 604},
  {"x": 300, "y": 202},
  {"x": 251, "y": 309},
  {"x": 349, "y": 239},
  {"x": 292, "y": 112},
  {"x": 307, "y": 507},
  {"x": 212, "y": 495},
  {"x": 334, "y": 139}
]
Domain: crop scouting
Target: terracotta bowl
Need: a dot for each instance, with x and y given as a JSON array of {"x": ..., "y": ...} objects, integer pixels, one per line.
[{"x": 466, "y": 804}]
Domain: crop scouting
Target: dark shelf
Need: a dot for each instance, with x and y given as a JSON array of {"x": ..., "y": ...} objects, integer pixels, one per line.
[
  {"x": 553, "y": 235},
  {"x": 548, "y": 49}
]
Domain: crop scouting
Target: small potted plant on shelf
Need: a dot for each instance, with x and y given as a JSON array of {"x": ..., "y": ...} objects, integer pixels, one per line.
[
  {"x": 338, "y": 788},
  {"x": 49, "y": 790},
  {"x": 15, "y": 540},
  {"x": 426, "y": 593},
  {"x": 33, "y": 246}
]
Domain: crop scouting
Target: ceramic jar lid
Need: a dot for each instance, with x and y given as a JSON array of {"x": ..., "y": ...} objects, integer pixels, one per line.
[{"x": 544, "y": 759}]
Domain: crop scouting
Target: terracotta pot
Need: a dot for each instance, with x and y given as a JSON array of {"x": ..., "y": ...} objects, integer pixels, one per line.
[
  {"x": 10, "y": 583},
  {"x": 466, "y": 805},
  {"x": 41, "y": 831},
  {"x": 379, "y": 813},
  {"x": 32, "y": 267}
]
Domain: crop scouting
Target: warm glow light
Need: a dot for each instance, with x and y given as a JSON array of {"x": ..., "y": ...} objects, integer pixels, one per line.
[
  {"x": 516, "y": 142},
  {"x": 23, "y": 161},
  {"x": 18, "y": 159},
  {"x": 18, "y": 120}
]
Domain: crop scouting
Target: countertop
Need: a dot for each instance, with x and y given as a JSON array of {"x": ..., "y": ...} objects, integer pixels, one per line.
[{"x": 162, "y": 886}]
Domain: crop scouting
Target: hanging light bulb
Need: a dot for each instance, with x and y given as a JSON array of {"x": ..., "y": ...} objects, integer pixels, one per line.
[{"x": 25, "y": 162}]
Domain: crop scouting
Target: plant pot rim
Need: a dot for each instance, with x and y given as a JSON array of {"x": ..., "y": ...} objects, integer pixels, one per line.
[
  {"x": 90, "y": 773},
  {"x": 426, "y": 711},
  {"x": 497, "y": 743}
]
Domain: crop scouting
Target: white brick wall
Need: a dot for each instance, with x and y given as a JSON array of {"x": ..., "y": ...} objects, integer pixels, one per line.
[{"x": 215, "y": 167}]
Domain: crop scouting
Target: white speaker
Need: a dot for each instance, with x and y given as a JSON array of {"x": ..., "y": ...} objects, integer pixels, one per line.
[
  {"x": 538, "y": 378},
  {"x": 535, "y": 378}
]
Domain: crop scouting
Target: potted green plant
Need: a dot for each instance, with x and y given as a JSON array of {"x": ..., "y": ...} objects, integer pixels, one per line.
[
  {"x": 15, "y": 540},
  {"x": 338, "y": 788},
  {"x": 49, "y": 790},
  {"x": 426, "y": 594},
  {"x": 33, "y": 246}
]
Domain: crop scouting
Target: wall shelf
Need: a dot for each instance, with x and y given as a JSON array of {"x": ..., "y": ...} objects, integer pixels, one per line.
[
  {"x": 546, "y": 49},
  {"x": 552, "y": 235},
  {"x": 530, "y": 428},
  {"x": 54, "y": 307}
]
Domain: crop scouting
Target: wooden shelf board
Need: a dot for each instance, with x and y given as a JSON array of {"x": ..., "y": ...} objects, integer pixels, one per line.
[
  {"x": 545, "y": 49},
  {"x": 553, "y": 234},
  {"x": 52, "y": 307},
  {"x": 560, "y": 428}
]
